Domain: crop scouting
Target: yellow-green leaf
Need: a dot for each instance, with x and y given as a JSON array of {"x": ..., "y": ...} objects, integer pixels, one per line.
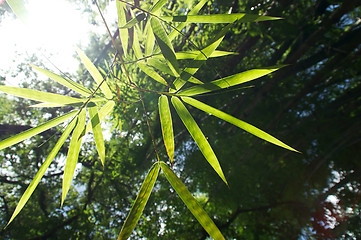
[
  {"x": 131, "y": 23},
  {"x": 239, "y": 123},
  {"x": 227, "y": 81},
  {"x": 123, "y": 33},
  {"x": 151, "y": 73},
  {"x": 149, "y": 44},
  {"x": 102, "y": 113},
  {"x": 97, "y": 132},
  {"x": 34, "y": 183},
  {"x": 95, "y": 74},
  {"x": 192, "y": 204},
  {"x": 73, "y": 154},
  {"x": 193, "y": 54},
  {"x": 157, "y": 6},
  {"x": 65, "y": 82},
  {"x": 19, "y": 9},
  {"x": 167, "y": 126},
  {"x": 165, "y": 45},
  {"x": 139, "y": 203},
  {"x": 40, "y": 96},
  {"x": 219, "y": 18},
  {"x": 36, "y": 130},
  {"x": 198, "y": 136}
]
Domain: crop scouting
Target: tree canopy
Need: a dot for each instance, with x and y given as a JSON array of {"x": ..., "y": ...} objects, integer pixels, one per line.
[{"x": 311, "y": 103}]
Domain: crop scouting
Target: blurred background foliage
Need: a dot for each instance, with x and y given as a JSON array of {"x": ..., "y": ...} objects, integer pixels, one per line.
[{"x": 313, "y": 104}]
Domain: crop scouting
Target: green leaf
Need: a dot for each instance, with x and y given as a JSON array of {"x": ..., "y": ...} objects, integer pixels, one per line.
[
  {"x": 95, "y": 74},
  {"x": 198, "y": 136},
  {"x": 19, "y": 9},
  {"x": 239, "y": 123},
  {"x": 149, "y": 44},
  {"x": 78, "y": 104},
  {"x": 165, "y": 45},
  {"x": 34, "y": 183},
  {"x": 219, "y": 18},
  {"x": 136, "y": 46},
  {"x": 157, "y": 6},
  {"x": 199, "y": 60},
  {"x": 193, "y": 54},
  {"x": 65, "y": 82},
  {"x": 139, "y": 203},
  {"x": 97, "y": 131},
  {"x": 179, "y": 28},
  {"x": 123, "y": 33},
  {"x": 192, "y": 204},
  {"x": 36, "y": 130},
  {"x": 227, "y": 81},
  {"x": 102, "y": 113},
  {"x": 73, "y": 154},
  {"x": 131, "y": 23},
  {"x": 167, "y": 126},
  {"x": 151, "y": 73},
  {"x": 40, "y": 96}
]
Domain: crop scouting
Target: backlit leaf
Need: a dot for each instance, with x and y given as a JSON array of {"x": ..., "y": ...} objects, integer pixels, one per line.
[
  {"x": 36, "y": 130},
  {"x": 219, "y": 18},
  {"x": 193, "y": 54},
  {"x": 151, "y": 73},
  {"x": 192, "y": 204},
  {"x": 73, "y": 154},
  {"x": 239, "y": 123},
  {"x": 19, "y": 9},
  {"x": 139, "y": 203},
  {"x": 131, "y": 23},
  {"x": 34, "y": 183},
  {"x": 97, "y": 132},
  {"x": 95, "y": 74},
  {"x": 198, "y": 136},
  {"x": 123, "y": 33},
  {"x": 227, "y": 81},
  {"x": 167, "y": 126},
  {"x": 102, "y": 113}
]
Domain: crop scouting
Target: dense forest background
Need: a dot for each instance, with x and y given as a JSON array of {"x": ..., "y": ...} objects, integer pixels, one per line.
[{"x": 313, "y": 104}]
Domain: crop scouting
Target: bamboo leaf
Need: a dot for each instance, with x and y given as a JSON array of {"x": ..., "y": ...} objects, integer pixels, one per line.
[
  {"x": 123, "y": 33},
  {"x": 65, "y": 82},
  {"x": 199, "y": 60},
  {"x": 78, "y": 104},
  {"x": 95, "y": 74},
  {"x": 193, "y": 54},
  {"x": 192, "y": 204},
  {"x": 179, "y": 28},
  {"x": 167, "y": 126},
  {"x": 40, "y": 96},
  {"x": 219, "y": 18},
  {"x": 227, "y": 81},
  {"x": 165, "y": 45},
  {"x": 73, "y": 154},
  {"x": 131, "y": 23},
  {"x": 136, "y": 46},
  {"x": 19, "y": 9},
  {"x": 139, "y": 203},
  {"x": 36, "y": 130},
  {"x": 149, "y": 44},
  {"x": 239, "y": 123},
  {"x": 157, "y": 6},
  {"x": 151, "y": 73},
  {"x": 97, "y": 131},
  {"x": 198, "y": 136},
  {"x": 34, "y": 183},
  {"x": 102, "y": 113}
]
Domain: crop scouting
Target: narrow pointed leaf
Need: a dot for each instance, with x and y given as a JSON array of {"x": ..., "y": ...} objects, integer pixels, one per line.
[
  {"x": 167, "y": 126},
  {"x": 34, "y": 183},
  {"x": 157, "y": 6},
  {"x": 227, "y": 81},
  {"x": 149, "y": 44},
  {"x": 219, "y": 18},
  {"x": 239, "y": 123},
  {"x": 95, "y": 74},
  {"x": 36, "y": 130},
  {"x": 165, "y": 45},
  {"x": 131, "y": 23},
  {"x": 73, "y": 154},
  {"x": 136, "y": 46},
  {"x": 198, "y": 136},
  {"x": 199, "y": 60},
  {"x": 179, "y": 28},
  {"x": 19, "y": 9},
  {"x": 65, "y": 82},
  {"x": 192, "y": 204},
  {"x": 97, "y": 132},
  {"x": 123, "y": 33},
  {"x": 151, "y": 73},
  {"x": 139, "y": 203},
  {"x": 40, "y": 96},
  {"x": 102, "y": 113},
  {"x": 193, "y": 54}
]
